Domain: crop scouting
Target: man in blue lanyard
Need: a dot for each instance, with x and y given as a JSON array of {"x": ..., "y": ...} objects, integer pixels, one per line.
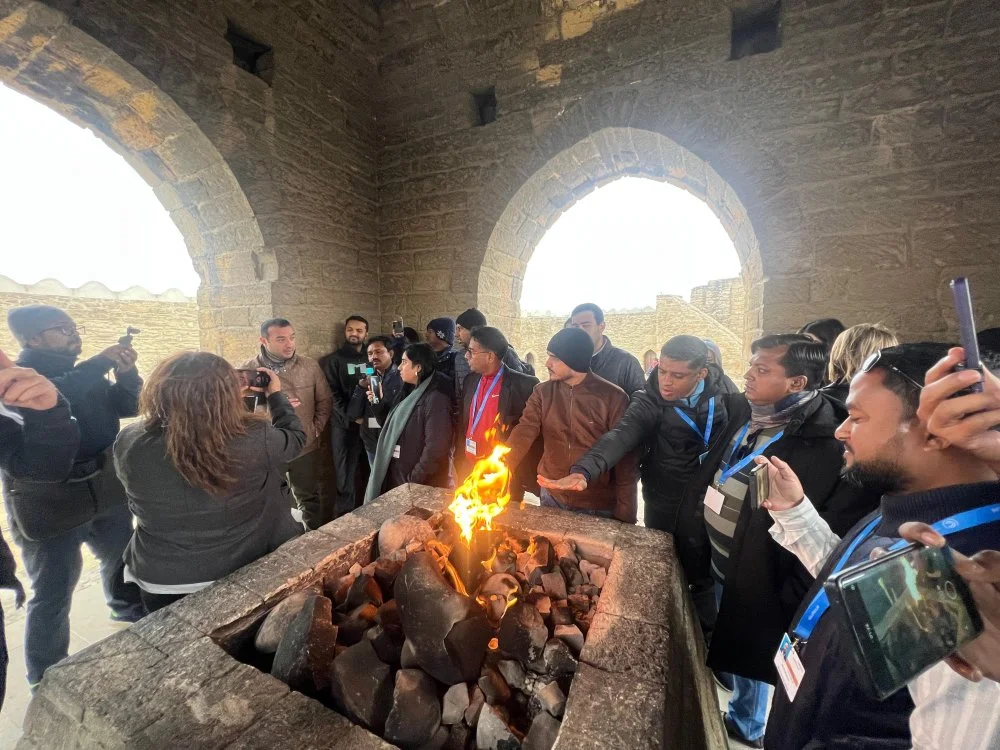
[
  {"x": 675, "y": 419},
  {"x": 925, "y": 478}
]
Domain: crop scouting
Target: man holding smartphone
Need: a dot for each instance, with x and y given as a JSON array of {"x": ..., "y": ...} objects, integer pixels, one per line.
[
  {"x": 925, "y": 477},
  {"x": 359, "y": 409}
]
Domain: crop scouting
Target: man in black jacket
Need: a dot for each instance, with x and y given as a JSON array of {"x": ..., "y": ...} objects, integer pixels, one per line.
[
  {"x": 493, "y": 398},
  {"x": 472, "y": 319},
  {"x": 676, "y": 419},
  {"x": 343, "y": 370},
  {"x": 609, "y": 362},
  {"x": 38, "y": 440},
  {"x": 359, "y": 410},
  {"x": 781, "y": 414},
  {"x": 49, "y": 522}
]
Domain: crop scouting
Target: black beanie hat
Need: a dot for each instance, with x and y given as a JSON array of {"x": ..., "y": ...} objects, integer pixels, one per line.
[
  {"x": 574, "y": 347},
  {"x": 444, "y": 329},
  {"x": 29, "y": 321},
  {"x": 470, "y": 319}
]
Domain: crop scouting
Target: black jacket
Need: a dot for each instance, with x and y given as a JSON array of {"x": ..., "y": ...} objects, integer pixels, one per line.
[
  {"x": 360, "y": 408},
  {"x": 97, "y": 405},
  {"x": 42, "y": 450},
  {"x": 342, "y": 381},
  {"x": 619, "y": 367},
  {"x": 670, "y": 446},
  {"x": 763, "y": 578},
  {"x": 726, "y": 384},
  {"x": 514, "y": 362},
  {"x": 515, "y": 389},
  {"x": 426, "y": 441}
]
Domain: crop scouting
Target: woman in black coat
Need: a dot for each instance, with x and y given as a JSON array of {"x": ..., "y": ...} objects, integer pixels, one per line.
[{"x": 416, "y": 436}]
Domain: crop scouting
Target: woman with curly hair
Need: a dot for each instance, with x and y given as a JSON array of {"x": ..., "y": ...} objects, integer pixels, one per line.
[{"x": 203, "y": 476}]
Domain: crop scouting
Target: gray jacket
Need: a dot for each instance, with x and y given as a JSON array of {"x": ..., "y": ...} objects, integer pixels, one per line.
[
  {"x": 185, "y": 535},
  {"x": 619, "y": 367}
]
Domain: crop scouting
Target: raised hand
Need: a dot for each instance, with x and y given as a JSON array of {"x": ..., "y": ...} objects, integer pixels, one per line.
[
  {"x": 24, "y": 388},
  {"x": 786, "y": 489},
  {"x": 571, "y": 483}
]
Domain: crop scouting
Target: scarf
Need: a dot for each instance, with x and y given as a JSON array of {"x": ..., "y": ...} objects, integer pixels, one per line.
[
  {"x": 389, "y": 437},
  {"x": 767, "y": 416},
  {"x": 271, "y": 362}
]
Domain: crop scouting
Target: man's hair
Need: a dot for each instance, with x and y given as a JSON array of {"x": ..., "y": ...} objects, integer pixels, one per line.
[
  {"x": 825, "y": 329},
  {"x": 357, "y": 318},
  {"x": 384, "y": 340},
  {"x": 913, "y": 361},
  {"x": 804, "y": 356},
  {"x": 690, "y": 349},
  {"x": 273, "y": 323},
  {"x": 410, "y": 334},
  {"x": 854, "y": 346},
  {"x": 589, "y": 307},
  {"x": 491, "y": 339},
  {"x": 422, "y": 354}
]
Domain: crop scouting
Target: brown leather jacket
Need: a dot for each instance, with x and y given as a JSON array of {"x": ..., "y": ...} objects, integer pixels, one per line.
[
  {"x": 570, "y": 420},
  {"x": 305, "y": 385}
]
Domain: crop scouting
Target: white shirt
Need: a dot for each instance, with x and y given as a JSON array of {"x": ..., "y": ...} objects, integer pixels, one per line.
[{"x": 951, "y": 713}]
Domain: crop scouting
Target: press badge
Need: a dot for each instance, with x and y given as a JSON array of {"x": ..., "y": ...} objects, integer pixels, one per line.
[
  {"x": 373, "y": 424},
  {"x": 790, "y": 668},
  {"x": 395, "y": 452},
  {"x": 470, "y": 446},
  {"x": 714, "y": 500}
]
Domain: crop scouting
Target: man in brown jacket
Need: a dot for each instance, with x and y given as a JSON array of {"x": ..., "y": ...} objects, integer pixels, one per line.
[
  {"x": 307, "y": 390},
  {"x": 571, "y": 411}
]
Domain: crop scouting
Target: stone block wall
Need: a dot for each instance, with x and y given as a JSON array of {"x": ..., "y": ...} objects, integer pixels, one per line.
[
  {"x": 169, "y": 322},
  {"x": 723, "y": 299}
]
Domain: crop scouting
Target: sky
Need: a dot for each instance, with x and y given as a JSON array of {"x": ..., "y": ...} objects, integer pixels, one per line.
[
  {"x": 623, "y": 244},
  {"x": 72, "y": 209}
]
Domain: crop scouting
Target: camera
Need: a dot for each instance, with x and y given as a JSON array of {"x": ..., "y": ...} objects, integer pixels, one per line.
[
  {"x": 397, "y": 327},
  {"x": 253, "y": 378},
  {"x": 126, "y": 340}
]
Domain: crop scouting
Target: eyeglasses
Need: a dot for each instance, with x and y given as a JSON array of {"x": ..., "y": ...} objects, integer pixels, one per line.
[
  {"x": 67, "y": 330},
  {"x": 470, "y": 353},
  {"x": 874, "y": 359}
]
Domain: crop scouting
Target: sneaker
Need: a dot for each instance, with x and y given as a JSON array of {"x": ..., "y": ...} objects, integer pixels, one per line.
[
  {"x": 734, "y": 733},
  {"x": 724, "y": 680},
  {"x": 123, "y": 619}
]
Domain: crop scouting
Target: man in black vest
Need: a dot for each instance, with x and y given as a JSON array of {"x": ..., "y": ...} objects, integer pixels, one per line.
[
  {"x": 493, "y": 398},
  {"x": 609, "y": 362},
  {"x": 50, "y": 521}
]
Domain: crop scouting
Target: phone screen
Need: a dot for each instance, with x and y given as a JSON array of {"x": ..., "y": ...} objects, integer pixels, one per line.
[
  {"x": 246, "y": 377},
  {"x": 907, "y": 611},
  {"x": 397, "y": 326}
]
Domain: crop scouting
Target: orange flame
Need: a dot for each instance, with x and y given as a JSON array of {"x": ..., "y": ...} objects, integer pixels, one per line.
[{"x": 484, "y": 494}]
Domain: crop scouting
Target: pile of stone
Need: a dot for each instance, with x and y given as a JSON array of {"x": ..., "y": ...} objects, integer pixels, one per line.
[{"x": 401, "y": 648}]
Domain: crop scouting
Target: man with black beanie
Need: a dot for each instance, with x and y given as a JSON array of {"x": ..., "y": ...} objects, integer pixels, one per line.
[
  {"x": 571, "y": 411},
  {"x": 441, "y": 336},
  {"x": 472, "y": 319},
  {"x": 50, "y": 521}
]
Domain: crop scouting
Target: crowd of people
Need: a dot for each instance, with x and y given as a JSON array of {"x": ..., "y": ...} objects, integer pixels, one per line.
[{"x": 865, "y": 441}]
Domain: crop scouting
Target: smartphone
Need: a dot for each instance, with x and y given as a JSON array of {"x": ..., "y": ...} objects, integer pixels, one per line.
[
  {"x": 760, "y": 487},
  {"x": 253, "y": 378},
  {"x": 966, "y": 330},
  {"x": 126, "y": 340},
  {"x": 903, "y": 613},
  {"x": 397, "y": 327}
]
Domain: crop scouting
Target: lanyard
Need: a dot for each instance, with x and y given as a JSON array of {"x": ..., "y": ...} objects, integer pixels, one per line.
[
  {"x": 730, "y": 471},
  {"x": 482, "y": 406},
  {"x": 964, "y": 521},
  {"x": 708, "y": 425}
]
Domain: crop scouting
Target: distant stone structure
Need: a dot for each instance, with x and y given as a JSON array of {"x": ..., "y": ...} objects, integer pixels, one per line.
[{"x": 715, "y": 312}]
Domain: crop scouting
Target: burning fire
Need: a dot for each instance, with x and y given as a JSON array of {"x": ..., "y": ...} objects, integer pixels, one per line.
[{"x": 484, "y": 494}]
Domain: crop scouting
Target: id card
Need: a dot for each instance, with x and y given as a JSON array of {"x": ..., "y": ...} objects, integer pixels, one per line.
[
  {"x": 714, "y": 500},
  {"x": 790, "y": 668},
  {"x": 395, "y": 452},
  {"x": 470, "y": 446},
  {"x": 373, "y": 424}
]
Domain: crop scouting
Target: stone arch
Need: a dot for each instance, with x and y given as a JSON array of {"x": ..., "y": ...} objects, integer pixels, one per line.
[
  {"x": 45, "y": 57},
  {"x": 594, "y": 160}
]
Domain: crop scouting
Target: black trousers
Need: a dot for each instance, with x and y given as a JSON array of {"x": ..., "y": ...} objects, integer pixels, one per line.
[
  {"x": 347, "y": 450},
  {"x": 154, "y": 602}
]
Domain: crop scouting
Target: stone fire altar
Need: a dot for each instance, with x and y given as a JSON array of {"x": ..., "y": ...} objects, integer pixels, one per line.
[{"x": 192, "y": 675}]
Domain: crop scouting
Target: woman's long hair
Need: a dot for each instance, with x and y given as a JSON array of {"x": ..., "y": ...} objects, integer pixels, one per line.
[
  {"x": 194, "y": 398},
  {"x": 854, "y": 346}
]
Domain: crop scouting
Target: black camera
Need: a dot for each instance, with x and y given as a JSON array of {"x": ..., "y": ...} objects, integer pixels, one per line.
[
  {"x": 126, "y": 340},
  {"x": 253, "y": 378}
]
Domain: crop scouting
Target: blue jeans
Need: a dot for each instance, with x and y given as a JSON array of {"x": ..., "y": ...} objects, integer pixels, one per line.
[
  {"x": 53, "y": 567},
  {"x": 548, "y": 501},
  {"x": 748, "y": 704}
]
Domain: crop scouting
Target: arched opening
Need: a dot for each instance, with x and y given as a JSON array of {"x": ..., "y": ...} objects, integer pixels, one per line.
[
  {"x": 45, "y": 57},
  {"x": 571, "y": 174}
]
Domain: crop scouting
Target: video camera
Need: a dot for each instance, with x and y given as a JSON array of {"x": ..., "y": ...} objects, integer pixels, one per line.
[{"x": 126, "y": 340}]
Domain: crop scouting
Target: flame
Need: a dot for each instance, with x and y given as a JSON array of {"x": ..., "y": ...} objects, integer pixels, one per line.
[{"x": 484, "y": 494}]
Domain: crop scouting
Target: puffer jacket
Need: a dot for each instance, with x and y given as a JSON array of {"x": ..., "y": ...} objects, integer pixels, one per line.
[
  {"x": 304, "y": 383},
  {"x": 619, "y": 367}
]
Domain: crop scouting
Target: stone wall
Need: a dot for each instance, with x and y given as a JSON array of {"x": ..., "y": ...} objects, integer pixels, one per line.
[
  {"x": 723, "y": 299},
  {"x": 864, "y": 150},
  {"x": 169, "y": 322},
  {"x": 640, "y": 332}
]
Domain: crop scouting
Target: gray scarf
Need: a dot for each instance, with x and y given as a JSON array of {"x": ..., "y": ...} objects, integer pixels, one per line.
[
  {"x": 398, "y": 418},
  {"x": 766, "y": 416}
]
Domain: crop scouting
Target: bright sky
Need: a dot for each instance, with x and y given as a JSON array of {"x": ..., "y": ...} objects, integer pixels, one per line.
[
  {"x": 623, "y": 244},
  {"x": 74, "y": 210}
]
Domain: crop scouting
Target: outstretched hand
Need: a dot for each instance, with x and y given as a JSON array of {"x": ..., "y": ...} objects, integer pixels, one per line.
[
  {"x": 571, "y": 483},
  {"x": 24, "y": 388},
  {"x": 786, "y": 489}
]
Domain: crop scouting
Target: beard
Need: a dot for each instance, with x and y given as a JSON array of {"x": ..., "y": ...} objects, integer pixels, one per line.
[{"x": 885, "y": 477}]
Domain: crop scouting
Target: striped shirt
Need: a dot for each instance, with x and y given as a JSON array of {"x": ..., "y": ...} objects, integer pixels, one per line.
[{"x": 722, "y": 526}]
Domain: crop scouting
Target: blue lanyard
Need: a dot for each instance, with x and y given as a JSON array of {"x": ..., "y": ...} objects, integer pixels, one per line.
[
  {"x": 964, "y": 521},
  {"x": 691, "y": 423},
  {"x": 486, "y": 399},
  {"x": 730, "y": 471}
]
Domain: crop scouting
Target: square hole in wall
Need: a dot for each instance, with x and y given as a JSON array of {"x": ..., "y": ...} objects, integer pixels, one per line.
[
  {"x": 484, "y": 103},
  {"x": 756, "y": 28},
  {"x": 252, "y": 56}
]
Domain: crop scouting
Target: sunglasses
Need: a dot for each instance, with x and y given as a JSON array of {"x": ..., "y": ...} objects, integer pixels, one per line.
[{"x": 874, "y": 359}]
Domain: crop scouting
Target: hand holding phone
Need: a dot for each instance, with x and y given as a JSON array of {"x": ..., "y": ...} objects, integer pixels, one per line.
[{"x": 967, "y": 329}]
